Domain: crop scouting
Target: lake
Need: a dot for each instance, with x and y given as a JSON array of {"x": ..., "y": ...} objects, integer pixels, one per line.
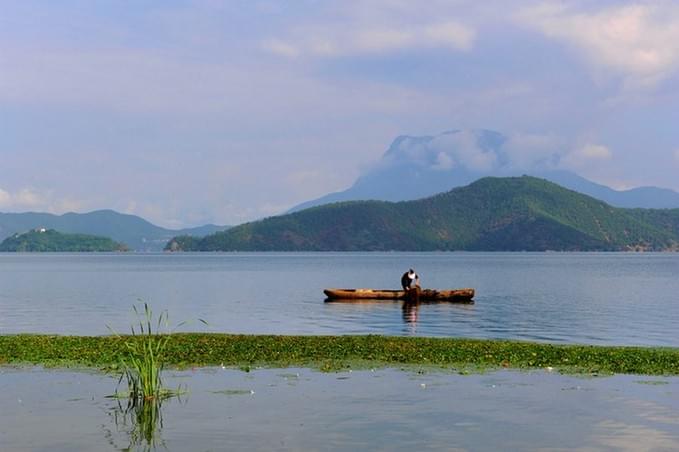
[
  {"x": 594, "y": 298},
  {"x": 382, "y": 409}
]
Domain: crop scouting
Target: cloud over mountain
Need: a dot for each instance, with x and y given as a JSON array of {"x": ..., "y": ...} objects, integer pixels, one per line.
[
  {"x": 476, "y": 151},
  {"x": 418, "y": 166},
  {"x": 189, "y": 112}
]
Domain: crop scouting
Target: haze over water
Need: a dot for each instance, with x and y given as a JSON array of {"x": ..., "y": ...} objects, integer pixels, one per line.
[{"x": 595, "y": 298}]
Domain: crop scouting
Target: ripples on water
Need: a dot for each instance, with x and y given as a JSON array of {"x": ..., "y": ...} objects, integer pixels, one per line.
[{"x": 598, "y": 298}]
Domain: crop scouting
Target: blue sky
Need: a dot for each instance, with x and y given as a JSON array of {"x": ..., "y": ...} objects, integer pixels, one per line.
[{"x": 188, "y": 112}]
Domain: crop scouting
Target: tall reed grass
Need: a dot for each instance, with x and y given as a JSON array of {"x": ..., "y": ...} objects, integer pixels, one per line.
[{"x": 144, "y": 358}]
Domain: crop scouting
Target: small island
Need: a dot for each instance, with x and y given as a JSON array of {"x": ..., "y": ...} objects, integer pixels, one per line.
[{"x": 48, "y": 240}]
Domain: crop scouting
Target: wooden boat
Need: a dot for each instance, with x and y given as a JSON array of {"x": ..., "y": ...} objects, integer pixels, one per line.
[{"x": 454, "y": 295}]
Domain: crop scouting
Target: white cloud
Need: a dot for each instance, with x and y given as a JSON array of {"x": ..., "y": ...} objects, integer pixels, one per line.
[
  {"x": 463, "y": 148},
  {"x": 358, "y": 39},
  {"x": 452, "y": 34},
  {"x": 638, "y": 41},
  {"x": 25, "y": 198},
  {"x": 410, "y": 150},
  {"x": 443, "y": 161},
  {"x": 676, "y": 156},
  {"x": 280, "y": 48},
  {"x": 586, "y": 155},
  {"x": 595, "y": 152},
  {"x": 28, "y": 198},
  {"x": 478, "y": 150},
  {"x": 531, "y": 151},
  {"x": 377, "y": 40},
  {"x": 470, "y": 154},
  {"x": 5, "y": 198},
  {"x": 141, "y": 81}
]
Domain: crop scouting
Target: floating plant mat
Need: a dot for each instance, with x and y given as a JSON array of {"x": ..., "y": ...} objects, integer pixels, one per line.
[
  {"x": 231, "y": 392},
  {"x": 336, "y": 353}
]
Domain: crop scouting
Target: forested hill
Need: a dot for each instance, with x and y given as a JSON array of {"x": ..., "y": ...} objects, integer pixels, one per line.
[
  {"x": 132, "y": 230},
  {"x": 491, "y": 214},
  {"x": 46, "y": 240}
]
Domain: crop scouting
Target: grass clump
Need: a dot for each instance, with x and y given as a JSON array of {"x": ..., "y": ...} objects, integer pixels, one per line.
[{"x": 144, "y": 358}]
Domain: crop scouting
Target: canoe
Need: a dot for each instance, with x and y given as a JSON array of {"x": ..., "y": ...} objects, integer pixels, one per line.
[{"x": 456, "y": 295}]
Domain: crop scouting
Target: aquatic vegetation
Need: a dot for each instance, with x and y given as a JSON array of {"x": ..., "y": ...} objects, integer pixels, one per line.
[
  {"x": 338, "y": 353},
  {"x": 231, "y": 392},
  {"x": 143, "y": 361}
]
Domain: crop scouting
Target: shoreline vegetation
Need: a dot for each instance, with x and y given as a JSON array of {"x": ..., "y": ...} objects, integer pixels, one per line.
[{"x": 342, "y": 353}]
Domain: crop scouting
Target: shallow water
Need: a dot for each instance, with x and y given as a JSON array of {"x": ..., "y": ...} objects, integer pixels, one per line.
[
  {"x": 384, "y": 409},
  {"x": 597, "y": 298}
]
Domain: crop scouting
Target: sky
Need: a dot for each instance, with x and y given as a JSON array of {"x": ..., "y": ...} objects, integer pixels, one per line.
[{"x": 204, "y": 111}]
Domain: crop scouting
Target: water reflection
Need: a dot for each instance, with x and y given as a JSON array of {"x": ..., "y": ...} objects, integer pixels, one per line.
[
  {"x": 141, "y": 421},
  {"x": 410, "y": 311},
  {"x": 410, "y": 314},
  {"x": 617, "y": 435}
]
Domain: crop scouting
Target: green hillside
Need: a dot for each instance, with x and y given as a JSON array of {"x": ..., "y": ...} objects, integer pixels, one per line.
[
  {"x": 49, "y": 240},
  {"x": 492, "y": 214}
]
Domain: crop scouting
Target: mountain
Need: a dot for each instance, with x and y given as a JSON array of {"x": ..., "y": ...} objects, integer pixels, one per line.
[
  {"x": 416, "y": 167},
  {"x": 641, "y": 197},
  {"x": 49, "y": 240},
  {"x": 137, "y": 233},
  {"x": 491, "y": 214}
]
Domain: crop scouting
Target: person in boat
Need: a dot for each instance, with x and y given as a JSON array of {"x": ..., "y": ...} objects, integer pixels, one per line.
[{"x": 410, "y": 280}]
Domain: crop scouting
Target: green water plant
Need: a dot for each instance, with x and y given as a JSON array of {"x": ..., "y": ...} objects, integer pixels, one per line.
[
  {"x": 144, "y": 358},
  {"x": 142, "y": 362}
]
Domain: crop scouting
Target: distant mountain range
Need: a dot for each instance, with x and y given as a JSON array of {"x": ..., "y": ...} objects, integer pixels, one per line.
[
  {"x": 133, "y": 231},
  {"x": 415, "y": 167},
  {"x": 491, "y": 214}
]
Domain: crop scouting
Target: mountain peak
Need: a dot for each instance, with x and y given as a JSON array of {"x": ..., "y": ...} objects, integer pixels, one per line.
[
  {"x": 414, "y": 167},
  {"x": 491, "y": 214}
]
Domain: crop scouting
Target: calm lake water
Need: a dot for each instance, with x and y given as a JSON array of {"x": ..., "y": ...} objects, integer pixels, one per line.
[
  {"x": 558, "y": 297},
  {"x": 385, "y": 409},
  {"x": 596, "y": 298}
]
